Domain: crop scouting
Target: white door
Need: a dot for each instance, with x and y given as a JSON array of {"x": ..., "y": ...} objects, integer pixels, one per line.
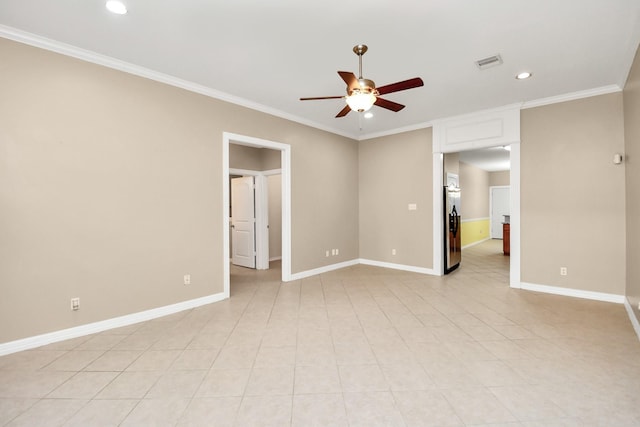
[
  {"x": 243, "y": 242},
  {"x": 500, "y": 205}
]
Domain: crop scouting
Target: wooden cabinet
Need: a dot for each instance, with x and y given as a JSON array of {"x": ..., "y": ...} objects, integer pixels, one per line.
[{"x": 506, "y": 241}]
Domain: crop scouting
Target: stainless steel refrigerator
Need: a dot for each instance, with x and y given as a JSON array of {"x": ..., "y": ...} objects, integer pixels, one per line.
[{"x": 452, "y": 248}]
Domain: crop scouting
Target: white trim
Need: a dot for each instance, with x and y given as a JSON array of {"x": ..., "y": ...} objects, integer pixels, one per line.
[
  {"x": 576, "y": 293},
  {"x": 262, "y": 222},
  {"x": 603, "y": 90},
  {"x": 438, "y": 225},
  {"x": 275, "y": 258},
  {"x": 244, "y": 172},
  {"x": 116, "y": 64},
  {"x": 514, "y": 222},
  {"x": 476, "y": 243},
  {"x": 475, "y": 219},
  {"x": 271, "y": 172},
  {"x": 103, "y": 325},
  {"x": 325, "y": 269},
  {"x": 632, "y": 317},
  {"x": 402, "y": 267}
]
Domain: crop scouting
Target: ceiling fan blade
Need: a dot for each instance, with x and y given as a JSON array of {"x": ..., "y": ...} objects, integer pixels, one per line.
[
  {"x": 403, "y": 85},
  {"x": 321, "y": 97},
  {"x": 349, "y": 78},
  {"x": 344, "y": 111},
  {"x": 389, "y": 105}
]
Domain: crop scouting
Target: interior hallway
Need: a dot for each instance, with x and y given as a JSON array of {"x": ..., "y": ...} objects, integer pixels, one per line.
[{"x": 362, "y": 346}]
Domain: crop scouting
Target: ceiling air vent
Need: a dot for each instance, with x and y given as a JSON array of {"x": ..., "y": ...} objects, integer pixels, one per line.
[{"x": 489, "y": 62}]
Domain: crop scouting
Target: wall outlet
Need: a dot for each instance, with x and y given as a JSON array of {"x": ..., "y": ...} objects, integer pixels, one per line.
[
  {"x": 75, "y": 304},
  {"x": 563, "y": 271},
  {"x": 187, "y": 279},
  {"x": 327, "y": 254},
  {"x": 337, "y": 251},
  {"x": 393, "y": 251}
]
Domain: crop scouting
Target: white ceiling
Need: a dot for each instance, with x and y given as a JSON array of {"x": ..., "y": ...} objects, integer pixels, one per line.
[{"x": 267, "y": 54}]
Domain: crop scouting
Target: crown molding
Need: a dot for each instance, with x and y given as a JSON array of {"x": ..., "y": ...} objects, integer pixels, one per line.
[
  {"x": 116, "y": 64},
  {"x": 603, "y": 90}
]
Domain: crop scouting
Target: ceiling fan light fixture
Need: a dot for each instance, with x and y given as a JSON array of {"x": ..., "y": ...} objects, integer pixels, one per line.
[
  {"x": 117, "y": 7},
  {"x": 361, "y": 100}
]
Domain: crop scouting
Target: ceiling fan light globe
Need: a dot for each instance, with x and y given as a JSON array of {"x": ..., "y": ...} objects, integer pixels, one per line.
[{"x": 361, "y": 101}]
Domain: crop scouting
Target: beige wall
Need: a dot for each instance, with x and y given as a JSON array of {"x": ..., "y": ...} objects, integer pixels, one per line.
[
  {"x": 450, "y": 164},
  {"x": 111, "y": 187},
  {"x": 395, "y": 171},
  {"x": 252, "y": 158},
  {"x": 632, "y": 165},
  {"x": 572, "y": 195},
  {"x": 499, "y": 178},
  {"x": 474, "y": 183}
]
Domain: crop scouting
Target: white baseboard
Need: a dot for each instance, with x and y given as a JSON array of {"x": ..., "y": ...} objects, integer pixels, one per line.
[
  {"x": 325, "y": 269},
  {"x": 394, "y": 266},
  {"x": 632, "y": 316},
  {"x": 476, "y": 243},
  {"x": 116, "y": 322},
  {"x": 275, "y": 258},
  {"x": 576, "y": 293}
]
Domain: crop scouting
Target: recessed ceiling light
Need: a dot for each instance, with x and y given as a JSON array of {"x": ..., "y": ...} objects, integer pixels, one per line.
[
  {"x": 116, "y": 6},
  {"x": 523, "y": 76},
  {"x": 368, "y": 115}
]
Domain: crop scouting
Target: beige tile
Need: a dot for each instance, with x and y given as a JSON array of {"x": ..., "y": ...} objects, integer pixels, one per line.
[
  {"x": 195, "y": 359},
  {"x": 372, "y": 409},
  {"x": 114, "y": 360},
  {"x": 316, "y": 379},
  {"x": 178, "y": 384},
  {"x": 319, "y": 410},
  {"x": 224, "y": 382},
  {"x": 104, "y": 413},
  {"x": 315, "y": 355},
  {"x": 30, "y": 360},
  {"x": 12, "y": 407},
  {"x": 156, "y": 412},
  {"x": 137, "y": 342},
  {"x": 272, "y": 357},
  {"x": 355, "y": 378},
  {"x": 493, "y": 373},
  {"x": 30, "y": 384},
  {"x": 234, "y": 357},
  {"x": 407, "y": 377},
  {"x": 270, "y": 381},
  {"x": 426, "y": 408},
  {"x": 354, "y": 353},
  {"x": 154, "y": 360},
  {"x": 478, "y": 406},
  {"x": 129, "y": 385},
  {"x": 393, "y": 354},
  {"x": 48, "y": 412},
  {"x": 265, "y": 411},
  {"x": 210, "y": 340},
  {"x": 83, "y": 385},
  {"x": 74, "y": 360},
  {"x": 210, "y": 411},
  {"x": 528, "y": 403},
  {"x": 100, "y": 342}
]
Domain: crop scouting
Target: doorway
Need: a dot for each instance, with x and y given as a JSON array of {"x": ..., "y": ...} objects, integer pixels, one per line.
[
  {"x": 285, "y": 189},
  {"x": 499, "y": 205}
]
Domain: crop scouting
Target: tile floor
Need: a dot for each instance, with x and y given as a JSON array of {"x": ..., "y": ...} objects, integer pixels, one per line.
[{"x": 363, "y": 346}]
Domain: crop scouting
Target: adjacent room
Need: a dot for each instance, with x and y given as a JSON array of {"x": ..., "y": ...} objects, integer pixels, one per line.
[{"x": 338, "y": 214}]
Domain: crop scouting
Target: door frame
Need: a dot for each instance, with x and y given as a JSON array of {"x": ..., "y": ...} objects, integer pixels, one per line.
[
  {"x": 491, "y": 188},
  {"x": 285, "y": 168}
]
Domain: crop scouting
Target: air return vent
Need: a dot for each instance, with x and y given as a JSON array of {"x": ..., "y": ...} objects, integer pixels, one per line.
[{"x": 489, "y": 62}]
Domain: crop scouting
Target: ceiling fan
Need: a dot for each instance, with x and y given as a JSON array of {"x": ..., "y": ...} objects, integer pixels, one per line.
[{"x": 362, "y": 93}]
